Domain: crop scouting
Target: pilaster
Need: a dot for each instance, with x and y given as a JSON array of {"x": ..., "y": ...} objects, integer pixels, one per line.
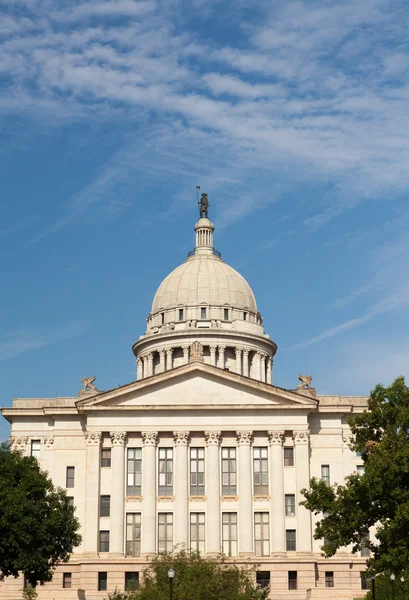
[
  {"x": 213, "y": 491},
  {"x": 92, "y": 486},
  {"x": 118, "y": 439},
  {"x": 245, "y": 492},
  {"x": 181, "y": 483},
  {"x": 302, "y": 465},
  {"x": 148, "y": 542},
  {"x": 221, "y": 362},
  {"x": 276, "y": 439}
]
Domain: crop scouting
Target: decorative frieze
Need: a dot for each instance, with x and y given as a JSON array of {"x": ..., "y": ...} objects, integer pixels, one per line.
[
  {"x": 19, "y": 444},
  {"x": 213, "y": 437},
  {"x": 93, "y": 438},
  {"x": 244, "y": 438},
  {"x": 118, "y": 438},
  {"x": 301, "y": 437},
  {"x": 149, "y": 438},
  {"x": 48, "y": 442},
  {"x": 276, "y": 438},
  {"x": 181, "y": 438}
]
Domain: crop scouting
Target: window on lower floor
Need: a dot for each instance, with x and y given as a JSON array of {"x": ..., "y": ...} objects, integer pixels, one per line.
[
  {"x": 70, "y": 500},
  {"x": 288, "y": 456},
  {"x": 289, "y": 505},
  {"x": 229, "y": 482},
  {"x": 165, "y": 471},
  {"x": 70, "y": 477},
  {"x": 292, "y": 580},
  {"x": 229, "y": 526},
  {"x": 165, "y": 532},
  {"x": 263, "y": 579},
  {"x": 104, "y": 541},
  {"x": 106, "y": 457},
  {"x": 260, "y": 471},
  {"x": 66, "y": 580},
  {"x": 105, "y": 506},
  {"x": 365, "y": 583},
  {"x": 197, "y": 532},
  {"x": 102, "y": 581},
  {"x": 329, "y": 578},
  {"x": 133, "y": 534},
  {"x": 360, "y": 470},
  {"x": 197, "y": 467},
  {"x": 261, "y": 534},
  {"x": 131, "y": 581},
  {"x": 134, "y": 472},
  {"x": 290, "y": 540},
  {"x": 35, "y": 448}
]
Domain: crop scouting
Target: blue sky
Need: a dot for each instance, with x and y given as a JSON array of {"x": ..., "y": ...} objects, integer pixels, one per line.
[{"x": 293, "y": 116}]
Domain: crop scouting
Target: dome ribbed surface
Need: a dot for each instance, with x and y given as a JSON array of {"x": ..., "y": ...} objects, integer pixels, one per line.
[{"x": 204, "y": 279}]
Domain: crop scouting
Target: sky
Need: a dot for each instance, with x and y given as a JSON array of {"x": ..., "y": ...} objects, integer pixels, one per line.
[{"x": 292, "y": 116}]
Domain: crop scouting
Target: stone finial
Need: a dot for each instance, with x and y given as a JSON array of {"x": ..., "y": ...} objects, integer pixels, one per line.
[
  {"x": 244, "y": 438},
  {"x": 301, "y": 437},
  {"x": 118, "y": 438},
  {"x": 276, "y": 438},
  {"x": 149, "y": 438},
  {"x": 181, "y": 438},
  {"x": 18, "y": 444},
  {"x": 93, "y": 438},
  {"x": 213, "y": 437},
  {"x": 304, "y": 387},
  {"x": 196, "y": 352}
]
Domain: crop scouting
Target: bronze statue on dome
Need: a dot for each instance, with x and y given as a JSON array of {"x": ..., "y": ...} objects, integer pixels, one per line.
[{"x": 204, "y": 206}]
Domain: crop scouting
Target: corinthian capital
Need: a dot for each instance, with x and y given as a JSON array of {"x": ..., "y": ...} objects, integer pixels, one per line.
[
  {"x": 244, "y": 438},
  {"x": 276, "y": 438},
  {"x": 149, "y": 438},
  {"x": 213, "y": 437},
  {"x": 93, "y": 438},
  {"x": 301, "y": 437},
  {"x": 181, "y": 438},
  {"x": 118, "y": 438}
]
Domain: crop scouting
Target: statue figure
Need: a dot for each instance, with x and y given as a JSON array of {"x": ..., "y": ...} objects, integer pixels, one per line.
[
  {"x": 88, "y": 383},
  {"x": 204, "y": 206},
  {"x": 305, "y": 382}
]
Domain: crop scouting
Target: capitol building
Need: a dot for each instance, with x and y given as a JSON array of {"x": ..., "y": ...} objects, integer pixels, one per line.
[{"x": 201, "y": 451}]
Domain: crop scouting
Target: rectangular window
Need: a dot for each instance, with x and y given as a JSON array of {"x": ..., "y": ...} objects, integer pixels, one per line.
[
  {"x": 133, "y": 534},
  {"x": 290, "y": 540},
  {"x": 289, "y": 457},
  {"x": 229, "y": 521},
  {"x": 180, "y": 314},
  {"x": 260, "y": 471},
  {"x": 365, "y": 551},
  {"x": 244, "y": 316},
  {"x": 102, "y": 581},
  {"x": 226, "y": 314},
  {"x": 329, "y": 578},
  {"x": 165, "y": 471},
  {"x": 134, "y": 472},
  {"x": 162, "y": 316},
  {"x": 105, "y": 506},
  {"x": 325, "y": 473},
  {"x": 131, "y": 581},
  {"x": 290, "y": 505},
  {"x": 229, "y": 487},
  {"x": 104, "y": 541},
  {"x": 197, "y": 467},
  {"x": 70, "y": 500},
  {"x": 70, "y": 477},
  {"x": 262, "y": 534},
  {"x": 292, "y": 580},
  {"x": 203, "y": 313},
  {"x": 35, "y": 448},
  {"x": 263, "y": 579},
  {"x": 358, "y": 454},
  {"x": 197, "y": 532},
  {"x": 365, "y": 583},
  {"x": 165, "y": 532},
  {"x": 66, "y": 580},
  {"x": 106, "y": 457},
  {"x": 360, "y": 470}
]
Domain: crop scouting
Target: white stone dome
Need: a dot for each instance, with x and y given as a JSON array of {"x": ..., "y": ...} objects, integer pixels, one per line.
[{"x": 204, "y": 279}]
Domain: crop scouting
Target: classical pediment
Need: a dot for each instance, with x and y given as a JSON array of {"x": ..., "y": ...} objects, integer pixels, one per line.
[{"x": 197, "y": 386}]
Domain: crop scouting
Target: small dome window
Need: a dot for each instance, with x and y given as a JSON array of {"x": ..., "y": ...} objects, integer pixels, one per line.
[{"x": 181, "y": 315}]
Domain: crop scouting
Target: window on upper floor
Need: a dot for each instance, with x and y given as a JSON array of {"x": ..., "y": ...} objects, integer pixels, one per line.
[
  {"x": 165, "y": 472},
  {"x": 105, "y": 506},
  {"x": 203, "y": 313},
  {"x": 104, "y": 541},
  {"x": 131, "y": 581},
  {"x": 263, "y": 579},
  {"x": 162, "y": 318},
  {"x": 365, "y": 550},
  {"x": 165, "y": 532},
  {"x": 360, "y": 469},
  {"x": 229, "y": 481},
  {"x": 197, "y": 532},
  {"x": 106, "y": 457},
  {"x": 292, "y": 580},
  {"x": 290, "y": 540},
  {"x": 329, "y": 579},
  {"x": 181, "y": 315},
  {"x": 229, "y": 533},
  {"x": 244, "y": 316},
  {"x": 35, "y": 448},
  {"x": 70, "y": 500},
  {"x": 70, "y": 477},
  {"x": 66, "y": 580},
  {"x": 288, "y": 456},
  {"x": 226, "y": 314},
  {"x": 133, "y": 534},
  {"x": 197, "y": 471},
  {"x": 134, "y": 472},
  {"x": 325, "y": 474},
  {"x": 260, "y": 471},
  {"x": 290, "y": 505},
  {"x": 261, "y": 534}
]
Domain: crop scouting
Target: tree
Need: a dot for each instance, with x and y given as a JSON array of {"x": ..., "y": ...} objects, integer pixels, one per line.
[
  {"x": 38, "y": 529},
  {"x": 196, "y": 578},
  {"x": 378, "y": 498}
]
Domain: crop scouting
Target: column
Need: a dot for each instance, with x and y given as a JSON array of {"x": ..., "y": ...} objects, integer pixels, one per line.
[
  {"x": 246, "y": 362},
  {"x": 181, "y": 487},
  {"x": 139, "y": 372},
  {"x": 257, "y": 365},
  {"x": 169, "y": 352},
  {"x": 221, "y": 356},
  {"x": 263, "y": 368},
  {"x": 162, "y": 361},
  {"x": 213, "y": 491},
  {"x": 269, "y": 369},
  {"x": 91, "y": 525},
  {"x": 245, "y": 516},
  {"x": 185, "y": 354},
  {"x": 148, "y": 542},
  {"x": 150, "y": 364},
  {"x": 238, "y": 360},
  {"x": 276, "y": 439},
  {"x": 145, "y": 366},
  {"x": 302, "y": 466},
  {"x": 118, "y": 439},
  {"x": 213, "y": 355}
]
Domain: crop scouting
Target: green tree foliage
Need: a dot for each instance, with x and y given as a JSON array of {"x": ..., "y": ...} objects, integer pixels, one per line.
[
  {"x": 380, "y": 497},
  {"x": 38, "y": 529},
  {"x": 196, "y": 578}
]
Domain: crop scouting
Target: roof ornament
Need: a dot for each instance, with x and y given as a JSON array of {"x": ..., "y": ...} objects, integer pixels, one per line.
[
  {"x": 304, "y": 387},
  {"x": 88, "y": 383},
  {"x": 203, "y": 204},
  {"x": 196, "y": 352}
]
